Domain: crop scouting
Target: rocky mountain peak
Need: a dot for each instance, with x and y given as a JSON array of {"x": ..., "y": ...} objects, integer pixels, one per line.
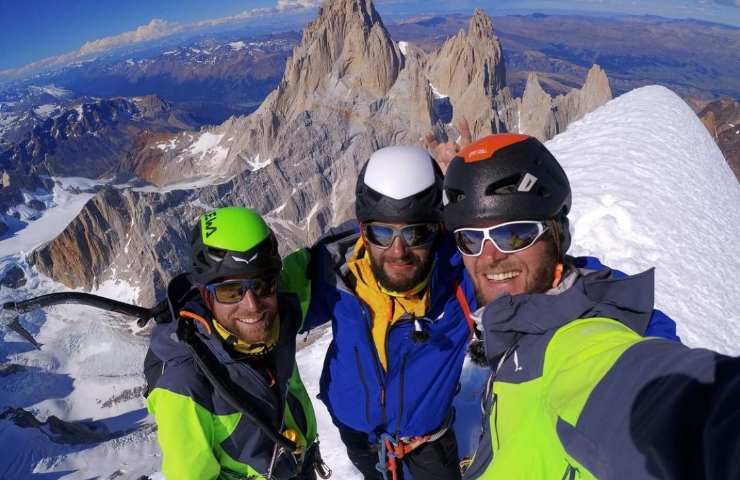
[
  {"x": 361, "y": 10},
  {"x": 348, "y": 45},
  {"x": 596, "y": 91},
  {"x": 469, "y": 67},
  {"x": 480, "y": 26},
  {"x": 543, "y": 117},
  {"x": 533, "y": 88},
  {"x": 152, "y": 105}
]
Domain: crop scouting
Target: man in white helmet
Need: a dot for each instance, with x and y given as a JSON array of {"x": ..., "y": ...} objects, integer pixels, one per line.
[{"x": 390, "y": 289}]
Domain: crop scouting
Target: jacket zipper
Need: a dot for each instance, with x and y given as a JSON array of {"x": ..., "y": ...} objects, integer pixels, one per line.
[
  {"x": 378, "y": 368},
  {"x": 364, "y": 384},
  {"x": 400, "y": 395}
]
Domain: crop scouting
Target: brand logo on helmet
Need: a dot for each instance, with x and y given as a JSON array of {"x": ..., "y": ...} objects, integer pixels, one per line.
[
  {"x": 527, "y": 183},
  {"x": 210, "y": 227},
  {"x": 245, "y": 260}
]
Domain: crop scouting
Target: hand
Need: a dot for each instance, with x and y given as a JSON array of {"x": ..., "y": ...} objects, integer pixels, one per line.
[{"x": 443, "y": 153}]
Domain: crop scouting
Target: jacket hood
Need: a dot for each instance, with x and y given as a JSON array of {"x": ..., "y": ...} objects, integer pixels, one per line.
[{"x": 582, "y": 294}]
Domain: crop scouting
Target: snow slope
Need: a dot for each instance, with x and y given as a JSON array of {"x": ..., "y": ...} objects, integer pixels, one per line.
[{"x": 650, "y": 189}]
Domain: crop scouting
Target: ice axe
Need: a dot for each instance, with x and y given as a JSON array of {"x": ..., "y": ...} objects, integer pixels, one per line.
[{"x": 78, "y": 298}]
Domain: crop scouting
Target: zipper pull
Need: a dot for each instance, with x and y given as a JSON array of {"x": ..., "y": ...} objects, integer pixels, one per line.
[{"x": 419, "y": 335}]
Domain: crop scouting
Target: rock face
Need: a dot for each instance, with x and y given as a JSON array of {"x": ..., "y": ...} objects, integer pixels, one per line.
[
  {"x": 347, "y": 90},
  {"x": 126, "y": 234},
  {"x": 722, "y": 119},
  {"x": 469, "y": 67},
  {"x": 543, "y": 117},
  {"x": 90, "y": 138}
]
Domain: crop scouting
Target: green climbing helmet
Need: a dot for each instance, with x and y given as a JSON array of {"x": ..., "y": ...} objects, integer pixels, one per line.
[{"x": 233, "y": 242}]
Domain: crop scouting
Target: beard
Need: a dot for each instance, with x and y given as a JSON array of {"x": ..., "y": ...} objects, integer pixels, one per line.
[
  {"x": 421, "y": 271},
  {"x": 539, "y": 277}
]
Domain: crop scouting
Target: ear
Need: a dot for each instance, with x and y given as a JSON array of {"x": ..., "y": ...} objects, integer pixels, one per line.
[{"x": 206, "y": 296}]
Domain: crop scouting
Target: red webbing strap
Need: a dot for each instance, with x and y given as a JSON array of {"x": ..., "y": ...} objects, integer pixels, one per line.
[{"x": 465, "y": 307}]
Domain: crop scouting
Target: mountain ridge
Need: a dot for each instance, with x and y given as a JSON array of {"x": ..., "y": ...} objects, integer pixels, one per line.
[{"x": 347, "y": 90}]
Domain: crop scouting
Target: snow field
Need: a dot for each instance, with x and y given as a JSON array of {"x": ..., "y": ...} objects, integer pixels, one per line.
[
  {"x": 651, "y": 188},
  {"x": 209, "y": 148}
]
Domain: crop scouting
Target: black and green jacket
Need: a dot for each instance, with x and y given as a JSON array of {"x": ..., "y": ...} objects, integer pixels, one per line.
[
  {"x": 577, "y": 392},
  {"x": 201, "y": 433}
]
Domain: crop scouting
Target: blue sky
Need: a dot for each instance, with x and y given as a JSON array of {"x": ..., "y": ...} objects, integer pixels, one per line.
[{"x": 31, "y": 30}]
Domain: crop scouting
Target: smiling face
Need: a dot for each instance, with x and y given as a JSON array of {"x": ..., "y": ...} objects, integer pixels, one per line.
[
  {"x": 399, "y": 268},
  {"x": 528, "y": 271},
  {"x": 250, "y": 320}
]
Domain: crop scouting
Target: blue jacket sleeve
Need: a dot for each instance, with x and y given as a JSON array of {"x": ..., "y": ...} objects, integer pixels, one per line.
[{"x": 661, "y": 325}]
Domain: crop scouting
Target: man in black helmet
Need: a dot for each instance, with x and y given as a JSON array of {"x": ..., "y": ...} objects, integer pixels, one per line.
[
  {"x": 223, "y": 385},
  {"x": 575, "y": 390}
]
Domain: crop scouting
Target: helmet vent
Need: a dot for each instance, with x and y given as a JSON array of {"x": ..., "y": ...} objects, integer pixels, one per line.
[
  {"x": 454, "y": 196},
  {"x": 505, "y": 186}
]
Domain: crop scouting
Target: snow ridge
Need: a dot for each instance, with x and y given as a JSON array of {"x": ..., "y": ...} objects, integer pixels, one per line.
[{"x": 651, "y": 188}]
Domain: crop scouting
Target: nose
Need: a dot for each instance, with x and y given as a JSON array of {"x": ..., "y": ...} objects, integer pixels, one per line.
[
  {"x": 249, "y": 302},
  {"x": 398, "y": 247},
  {"x": 490, "y": 252}
]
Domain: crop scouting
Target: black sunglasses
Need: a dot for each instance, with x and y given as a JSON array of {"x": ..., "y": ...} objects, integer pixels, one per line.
[{"x": 233, "y": 291}]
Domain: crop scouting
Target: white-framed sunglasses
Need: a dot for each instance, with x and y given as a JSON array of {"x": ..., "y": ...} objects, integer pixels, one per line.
[{"x": 509, "y": 237}]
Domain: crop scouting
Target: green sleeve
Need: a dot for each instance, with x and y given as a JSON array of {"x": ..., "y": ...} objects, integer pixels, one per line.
[
  {"x": 190, "y": 438},
  {"x": 294, "y": 277},
  {"x": 577, "y": 359},
  {"x": 185, "y": 434},
  {"x": 298, "y": 390}
]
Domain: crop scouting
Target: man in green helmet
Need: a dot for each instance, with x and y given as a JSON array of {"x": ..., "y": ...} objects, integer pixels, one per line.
[{"x": 223, "y": 385}]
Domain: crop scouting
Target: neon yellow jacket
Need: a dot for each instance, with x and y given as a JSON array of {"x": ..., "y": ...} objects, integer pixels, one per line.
[
  {"x": 577, "y": 393},
  {"x": 201, "y": 434}
]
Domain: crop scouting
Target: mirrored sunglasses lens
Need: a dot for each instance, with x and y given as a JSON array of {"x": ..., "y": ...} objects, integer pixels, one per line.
[
  {"x": 231, "y": 292},
  {"x": 469, "y": 241},
  {"x": 379, "y": 235},
  {"x": 516, "y": 236},
  {"x": 417, "y": 235}
]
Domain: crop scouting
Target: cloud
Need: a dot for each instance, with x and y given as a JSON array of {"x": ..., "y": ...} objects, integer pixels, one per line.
[
  {"x": 286, "y": 5},
  {"x": 282, "y": 6},
  {"x": 729, "y": 3},
  {"x": 153, "y": 30},
  {"x": 240, "y": 17}
]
